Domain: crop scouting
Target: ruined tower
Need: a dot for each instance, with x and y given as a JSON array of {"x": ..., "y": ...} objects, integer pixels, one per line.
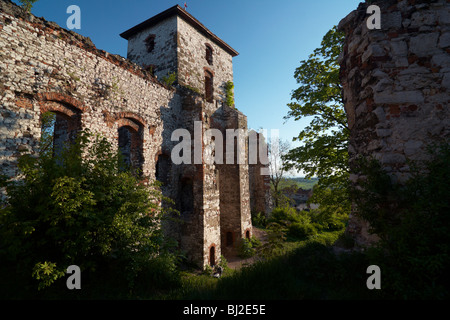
[
  {"x": 213, "y": 199},
  {"x": 396, "y": 83}
]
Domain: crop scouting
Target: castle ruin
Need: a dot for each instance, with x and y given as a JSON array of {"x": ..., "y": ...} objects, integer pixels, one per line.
[{"x": 46, "y": 68}]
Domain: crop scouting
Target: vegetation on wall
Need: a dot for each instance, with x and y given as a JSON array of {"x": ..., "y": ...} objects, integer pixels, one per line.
[
  {"x": 27, "y": 4},
  {"x": 229, "y": 93},
  {"x": 170, "y": 78}
]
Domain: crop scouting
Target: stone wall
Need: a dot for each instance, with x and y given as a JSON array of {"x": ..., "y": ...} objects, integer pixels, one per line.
[
  {"x": 396, "y": 85},
  {"x": 163, "y": 57},
  {"x": 259, "y": 184},
  {"x": 192, "y": 61},
  {"x": 47, "y": 68}
]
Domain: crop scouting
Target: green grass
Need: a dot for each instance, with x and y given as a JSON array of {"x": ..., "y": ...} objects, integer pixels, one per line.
[
  {"x": 301, "y": 270},
  {"x": 303, "y": 183},
  {"x": 305, "y": 269}
]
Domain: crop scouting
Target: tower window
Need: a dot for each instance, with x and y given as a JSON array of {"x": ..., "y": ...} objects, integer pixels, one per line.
[
  {"x": 212, "y": 256},
  {"x": 209, "y": 54},
  {"x": 209, "y": 82},
  {"x": 150, "y": 43}
]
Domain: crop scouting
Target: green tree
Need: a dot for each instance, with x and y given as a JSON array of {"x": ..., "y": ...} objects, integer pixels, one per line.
[
  {"x": 323, "y": 152},
  {"x": 71, "y": 209}
]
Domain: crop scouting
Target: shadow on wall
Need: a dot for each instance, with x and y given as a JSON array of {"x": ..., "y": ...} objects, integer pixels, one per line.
[{"x": 15, "y": 141}]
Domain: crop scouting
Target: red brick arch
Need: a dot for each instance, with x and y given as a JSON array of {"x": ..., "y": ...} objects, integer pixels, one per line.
[
  {"x": 64, "y": 106},
  {"x": 207, "y": 69},
  {"x": 130, "y": 115},
  {"x": 63, "y": 99},
  {"x": 129, "y": 119},
  {"x": 126, "y": 122}
]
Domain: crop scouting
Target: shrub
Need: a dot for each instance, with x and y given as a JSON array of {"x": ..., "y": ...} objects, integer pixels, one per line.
[
  {"x": 170, "y": 78},
  {"x": 302, "y": 231},
  {"x": 80, "y": 210},
  {"x": 229, "y": 94},
  {"x": 27, "y": 4},
  {"x": 259, "y": 219},
  {"x": 413, "y": 223},
  {"x": 247, "y": 247},
  {"x": 283, "y": 215}
]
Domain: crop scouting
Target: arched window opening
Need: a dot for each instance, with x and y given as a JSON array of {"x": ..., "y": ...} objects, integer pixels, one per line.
[
  {"x": 131, "y": 149},
  {"x": 209, "y": 86},
  {"x": 125, "y": 146},
  {"x": 57, "y": 131}
]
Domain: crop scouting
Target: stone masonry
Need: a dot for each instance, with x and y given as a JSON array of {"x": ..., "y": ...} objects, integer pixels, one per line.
[
  {"x": 44, "y": 67},
  {"x": 396, "y": 84}
]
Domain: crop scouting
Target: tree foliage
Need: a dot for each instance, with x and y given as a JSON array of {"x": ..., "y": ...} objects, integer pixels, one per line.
[
  {"x": 27, "y": 4},
  {"x": 80, "y": 208},
  {"x": 323, "y": 152},
  {"x": 48, "y": 120}
]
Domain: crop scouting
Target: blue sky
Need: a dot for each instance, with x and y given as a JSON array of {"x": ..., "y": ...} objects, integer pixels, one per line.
[{"x": 272, "y": 38}]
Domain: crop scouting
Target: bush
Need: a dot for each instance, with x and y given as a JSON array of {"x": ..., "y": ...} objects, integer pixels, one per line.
[
  {"x": 299, "y": 225},
  {"x": 324, "y": 221},
  {"x": 81, "y": 210},
  {"x": 247, "y": 247},
  {"x": 259, "y": 219},
  {"x": 229, "y": 95},
  {"x": 413, "y": 223},
  {"x": 170, "y": 79},
  {"x": 301, "y": 231},
  {"x": 283, "y": 215}
]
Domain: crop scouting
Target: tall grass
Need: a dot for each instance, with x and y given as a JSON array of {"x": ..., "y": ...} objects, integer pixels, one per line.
[{"x": 301, "y": 270}]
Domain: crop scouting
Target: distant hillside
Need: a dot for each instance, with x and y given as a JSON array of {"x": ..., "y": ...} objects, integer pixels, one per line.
[{"x": 299, "y": 182}]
